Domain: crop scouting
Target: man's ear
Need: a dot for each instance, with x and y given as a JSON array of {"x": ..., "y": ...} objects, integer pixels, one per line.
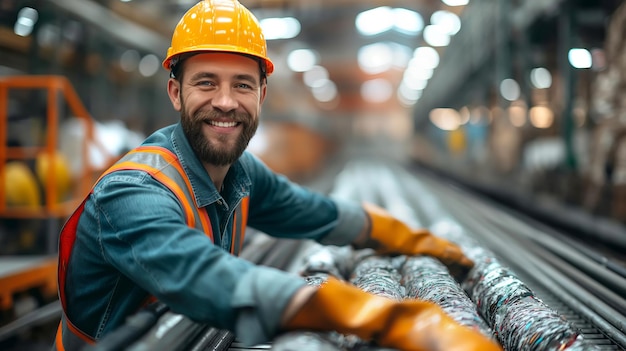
[
  {"x": 263, "y": 93},
  {"x": 173, "y": 91}
]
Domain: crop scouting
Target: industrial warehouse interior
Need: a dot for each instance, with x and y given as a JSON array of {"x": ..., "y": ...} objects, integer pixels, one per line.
[{"x": 496, "y": 125}]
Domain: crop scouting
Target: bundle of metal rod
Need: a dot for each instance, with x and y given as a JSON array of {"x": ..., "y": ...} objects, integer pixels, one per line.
[
  {"x": 426, "y": 278},
  {"x": 519, "y": 318},
  {"x": 378, "y": 275}
]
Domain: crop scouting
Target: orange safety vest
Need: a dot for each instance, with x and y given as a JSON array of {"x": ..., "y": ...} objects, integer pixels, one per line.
[{"x": 163, "y": 166}]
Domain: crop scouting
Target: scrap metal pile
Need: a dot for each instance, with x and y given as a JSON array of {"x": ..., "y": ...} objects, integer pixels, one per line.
[{"x": 490, "y": 299}]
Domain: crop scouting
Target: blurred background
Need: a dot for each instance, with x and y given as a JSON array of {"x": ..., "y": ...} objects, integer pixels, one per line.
[
  {"x": 522, "y": 95},
  {"x": 522, "y": 100}
]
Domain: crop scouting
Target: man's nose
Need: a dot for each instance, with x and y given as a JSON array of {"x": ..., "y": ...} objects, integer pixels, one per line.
[{"x": 224, "y": 100}]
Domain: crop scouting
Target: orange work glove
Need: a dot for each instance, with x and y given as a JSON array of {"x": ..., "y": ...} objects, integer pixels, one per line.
[
  {"x": 405, "y": 325},
  {"x": 388, "y": 235}
]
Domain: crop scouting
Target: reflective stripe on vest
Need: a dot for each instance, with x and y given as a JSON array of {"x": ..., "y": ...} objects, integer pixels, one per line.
[{"x": 164, "y": 167}]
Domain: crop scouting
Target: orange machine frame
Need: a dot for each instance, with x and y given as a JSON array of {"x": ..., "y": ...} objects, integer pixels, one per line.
[
  {"x": 40, "y": 272},
  {"x": 53, "y": 84}
]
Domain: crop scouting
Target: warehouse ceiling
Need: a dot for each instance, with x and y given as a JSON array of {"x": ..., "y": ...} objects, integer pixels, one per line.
[{"x": 328, "y": 28}]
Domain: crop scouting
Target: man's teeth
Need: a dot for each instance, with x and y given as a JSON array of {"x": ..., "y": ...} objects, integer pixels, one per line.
[{"x": 223, "y": 124}]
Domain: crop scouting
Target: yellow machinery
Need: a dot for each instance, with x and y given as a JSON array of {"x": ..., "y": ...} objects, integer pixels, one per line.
[{"x": 57, "y": 194}]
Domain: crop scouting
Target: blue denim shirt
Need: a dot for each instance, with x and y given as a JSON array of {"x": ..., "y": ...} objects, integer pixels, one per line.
[{"x": 133, "y": 241}]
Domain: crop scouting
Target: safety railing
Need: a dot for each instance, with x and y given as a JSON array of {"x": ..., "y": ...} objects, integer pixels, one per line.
[{"x": 52, "y": 205}]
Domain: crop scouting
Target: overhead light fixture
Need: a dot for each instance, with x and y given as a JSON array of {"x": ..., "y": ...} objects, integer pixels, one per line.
[
  {"x": 407, "y": 21},
  {"x": 315, "y": 76},
  {"x": 325, "y": 92},
  {"x": 301, "y": 60},
  {"x": 280, "y": 28},
  {"x": 149, "y": 65},
  {"x": 450, "y": 22},
  {"x": 375, "y": 58},
  {"x": 579, "y": 58},
  {"x": 374, "y": 21},
  {"x": 385, "y": 18},
  {"x": 376, "y": 90},
  {"x": 436, "y": 35},
  {"x": 26, "y": 19},
  {"x": 510, "y": 89},
  {"x": 541, "y": 78},
  {"x": 426, "y": 57}
]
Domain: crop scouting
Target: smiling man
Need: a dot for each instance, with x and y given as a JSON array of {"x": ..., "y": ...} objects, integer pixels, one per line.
[{"x": 167, "y": 221}]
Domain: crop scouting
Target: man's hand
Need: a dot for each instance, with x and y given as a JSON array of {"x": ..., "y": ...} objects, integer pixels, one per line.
[
  {"x": 404, "y": 325},
  {"x": 390, "y": 236}
]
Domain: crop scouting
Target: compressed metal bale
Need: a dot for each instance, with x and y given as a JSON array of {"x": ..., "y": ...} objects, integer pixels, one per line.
[
  {"x": 426, "y": 278},
  {"x": 521, "y": 321},
  {"x": 378, "y": 275}
]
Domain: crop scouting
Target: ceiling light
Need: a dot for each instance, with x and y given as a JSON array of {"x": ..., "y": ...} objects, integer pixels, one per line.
[
  {"x": 418, "y": 73},
  {"x": 280, "y": 28},
  {"x": 509, "y": 89},
  {"x": 408, "y": 96},
  {"x": 579, "y": 58},
  {"x": 325, "y": 92},
  {"x": 426, "y": 57},
  {"x": 445, "y": 118},
  {"x": 436, "y": 35},
  {"x": 450, "y": 22},
  {"x": 375, "y": 58},
  {"x": 301, "y": 60},
  {"x": 384, "y": 18},
  {"x": 316, "y": 76},
  {"x": 374, "y": 21},
  {"x": 26, "y": 19},
  {"x": 376, "y": 90},
  {"x": 407, "y": 21},
  {"x": 149, "y": 65},
  {"x": 129, "y": 60},
  {"x": 541, "y": 78}
]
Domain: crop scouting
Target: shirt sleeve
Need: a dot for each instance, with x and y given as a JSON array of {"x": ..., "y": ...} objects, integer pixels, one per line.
[
  {"x": 282, "y": 208},
  {"x": 142, "y": 234}
]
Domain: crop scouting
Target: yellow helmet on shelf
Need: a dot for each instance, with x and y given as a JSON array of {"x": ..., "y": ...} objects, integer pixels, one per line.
[
  {"x": 20, "y": 185},
  {"x": 219, "y": 25},
  {"x": 62, "y": 176}
]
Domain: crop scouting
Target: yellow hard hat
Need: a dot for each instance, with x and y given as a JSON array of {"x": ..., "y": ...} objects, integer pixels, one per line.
[
  {"x": 62, "y": 176},
  {"x": 21, "y": 188},
  {"x": 219, "y": 25}
]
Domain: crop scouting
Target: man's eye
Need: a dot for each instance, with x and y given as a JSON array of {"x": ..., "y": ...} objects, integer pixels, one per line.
[
  {"x": 205, "y": 82},
  {"x": 244, "y": 86}
]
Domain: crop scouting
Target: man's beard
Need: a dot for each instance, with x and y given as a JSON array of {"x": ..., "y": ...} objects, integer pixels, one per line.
[{"x": 208, "y": 150}]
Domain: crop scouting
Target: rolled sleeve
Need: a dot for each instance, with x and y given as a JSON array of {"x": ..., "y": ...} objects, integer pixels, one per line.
[
  {"x": 350, "y": 223},
  {"x": 260, "y": 299}
]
